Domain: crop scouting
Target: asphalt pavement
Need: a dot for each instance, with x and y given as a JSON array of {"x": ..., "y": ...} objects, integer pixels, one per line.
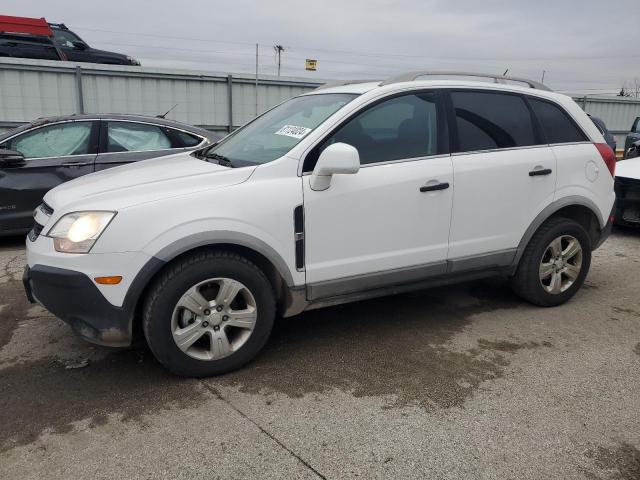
[{"x": 456, "y": 382}]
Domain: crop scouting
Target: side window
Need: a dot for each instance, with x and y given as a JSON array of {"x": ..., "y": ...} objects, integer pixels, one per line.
[
  {"x": 65, "y": 38},
  {"x": 136, "y": 137},
  {"x": 636, "y": 126},
  {"x": 59, "y": 140},
  {"x": 487, "y": 121},
  {"x": 399, "y": 128},
  {"x": 187, "y": 139},
  {"x": 557, "y": 126}
]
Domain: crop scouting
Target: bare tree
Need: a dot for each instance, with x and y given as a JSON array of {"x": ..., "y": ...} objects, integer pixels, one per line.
[{"x": 630, "y": 89}]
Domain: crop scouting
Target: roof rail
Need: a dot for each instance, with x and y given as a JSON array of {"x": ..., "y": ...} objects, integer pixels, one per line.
[
  {"x": 343, "y": 82},
  {"x": 412, "y": 76}
]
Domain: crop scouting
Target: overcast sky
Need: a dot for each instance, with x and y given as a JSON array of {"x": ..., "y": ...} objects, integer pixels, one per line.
[{"x": 584, "y": 45}]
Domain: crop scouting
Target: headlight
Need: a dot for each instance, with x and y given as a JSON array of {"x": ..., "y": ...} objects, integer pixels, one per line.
[
  {"x": 133, "y": 61},
  {"x": 77, "y": 232}
]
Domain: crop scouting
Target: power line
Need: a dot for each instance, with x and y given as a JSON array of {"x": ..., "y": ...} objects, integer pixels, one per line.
[{"x": 384, "y": 55}]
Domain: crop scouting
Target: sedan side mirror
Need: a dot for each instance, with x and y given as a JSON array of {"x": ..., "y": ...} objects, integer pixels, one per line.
[
  {"x": 11, "y": 159},
  {"x": 339, "y": 158},
  {"x": 79, "y": 45}
]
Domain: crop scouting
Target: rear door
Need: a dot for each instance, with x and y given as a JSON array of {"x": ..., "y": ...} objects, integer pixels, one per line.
[
  {"x": 504, "y": 172},
  {"x": 54, "y": 154},
  {"x": 123, "y": 142}
]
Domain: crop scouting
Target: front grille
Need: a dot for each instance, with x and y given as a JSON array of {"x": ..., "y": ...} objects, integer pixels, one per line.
[
  {"x": 35, "y": 231},
  {"x": 46, "y": 209},
  {"x": 37, "y": 227},
  {"x": 628, "y": 199},
  {"x": 627, "y": 188}
]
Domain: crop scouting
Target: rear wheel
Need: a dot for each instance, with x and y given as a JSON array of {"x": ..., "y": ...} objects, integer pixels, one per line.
[
  {"x": 554, "y": 264},
  {"x": 209, "y": 314}
]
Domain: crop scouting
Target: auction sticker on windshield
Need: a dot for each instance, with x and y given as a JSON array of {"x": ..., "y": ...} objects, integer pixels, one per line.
[{"x": 293, "y": 131}]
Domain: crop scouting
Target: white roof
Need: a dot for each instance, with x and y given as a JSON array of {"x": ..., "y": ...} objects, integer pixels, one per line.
[{"x": 361, "y": 88}]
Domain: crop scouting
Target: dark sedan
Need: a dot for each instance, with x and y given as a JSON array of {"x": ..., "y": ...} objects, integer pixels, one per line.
[{"x": 40, "y": 155}]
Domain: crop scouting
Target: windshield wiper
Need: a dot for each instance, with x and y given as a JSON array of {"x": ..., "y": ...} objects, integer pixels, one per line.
[{"x": 219, "y": 159}]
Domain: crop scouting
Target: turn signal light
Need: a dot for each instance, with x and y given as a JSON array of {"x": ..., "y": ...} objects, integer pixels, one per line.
[{"x": 114, "y": 280}]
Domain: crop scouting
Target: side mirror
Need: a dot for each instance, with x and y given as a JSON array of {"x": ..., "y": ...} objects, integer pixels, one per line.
[
  {"x": 79, "y": 45},
  {"x": 11, "y": 159},
  {"x": 339, "y": 158}
]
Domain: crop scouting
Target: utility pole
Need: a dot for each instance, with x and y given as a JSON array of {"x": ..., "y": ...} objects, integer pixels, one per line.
[
  {"x": 256, "y": 87},
  {"x": 542, "y": 79},
  {"x": 278, "y": 49}
]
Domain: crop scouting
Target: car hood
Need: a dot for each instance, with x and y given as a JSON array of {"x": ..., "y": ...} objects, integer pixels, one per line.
[
  {"x": 144, "y": 181},
  {"x": 108, "y": 54},
  {"x": 628, "y": 168}
]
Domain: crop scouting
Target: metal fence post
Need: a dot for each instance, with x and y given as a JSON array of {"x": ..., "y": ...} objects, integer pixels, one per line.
[
  {"x": 230, "y": 101},
  {"x": 79, "y": 95}
]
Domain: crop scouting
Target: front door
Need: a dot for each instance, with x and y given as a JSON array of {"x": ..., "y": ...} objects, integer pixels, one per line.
[
  {"x": 125, "y": 142},
  {"x": 389, "y": 223},
  {"x": 54, "y": 154}
]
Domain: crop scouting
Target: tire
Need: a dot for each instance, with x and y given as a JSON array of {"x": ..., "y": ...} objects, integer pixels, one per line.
[
  {"x": 538, "y": 260},
  {"x": 175, "y": 311}
]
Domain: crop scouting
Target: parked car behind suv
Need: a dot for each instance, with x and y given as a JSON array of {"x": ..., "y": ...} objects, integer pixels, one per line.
[
  {"x": 632, "y": 137},
  {"x": 627, "y": 187},
  {"x": 42, "y": 154},
  {"x": 341, "y": 194},
  {"x": 608, "y": 136}
]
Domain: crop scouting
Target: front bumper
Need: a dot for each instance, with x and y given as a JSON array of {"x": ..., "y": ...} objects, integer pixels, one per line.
[
  {"x": 628, "y": 201},
  {"x": 74, "y": 298}
]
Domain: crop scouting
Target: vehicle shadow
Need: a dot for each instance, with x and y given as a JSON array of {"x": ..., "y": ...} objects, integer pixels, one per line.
[{"x": 387, "y": 346}]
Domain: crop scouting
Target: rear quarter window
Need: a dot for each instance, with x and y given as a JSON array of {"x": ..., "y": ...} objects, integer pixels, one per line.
[
  {"x": 187, "y": 139},
  {"x": 556, "y": 124}
]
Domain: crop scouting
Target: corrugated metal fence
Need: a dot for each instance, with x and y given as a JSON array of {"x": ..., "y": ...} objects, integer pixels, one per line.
[
  {"x": 618, "y": 113},
  {"x": 37, "y": 88}
]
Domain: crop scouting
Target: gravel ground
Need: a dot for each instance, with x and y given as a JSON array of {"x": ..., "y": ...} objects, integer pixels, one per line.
[{"x": 456, "y": 382}]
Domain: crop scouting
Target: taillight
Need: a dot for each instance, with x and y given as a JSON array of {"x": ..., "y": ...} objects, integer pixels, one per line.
[{"x": 609, "y": 157}]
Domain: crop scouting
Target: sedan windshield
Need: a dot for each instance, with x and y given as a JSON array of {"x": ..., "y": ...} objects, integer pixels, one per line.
[{"x": 276, "y": 132}]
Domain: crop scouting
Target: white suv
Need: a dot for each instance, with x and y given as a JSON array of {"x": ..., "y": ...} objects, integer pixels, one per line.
[{"x": 344, "y": 193}]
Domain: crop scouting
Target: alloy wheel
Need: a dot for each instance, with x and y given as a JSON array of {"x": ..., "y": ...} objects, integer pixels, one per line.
[
  {"x": 214, "y": 318},
  {"x": 560, "y": 264}
]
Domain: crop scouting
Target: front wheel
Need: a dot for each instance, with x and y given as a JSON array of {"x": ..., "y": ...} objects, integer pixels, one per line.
[
  {"x": 209, "y": 314},
  {"x": 554, "y": 264}
]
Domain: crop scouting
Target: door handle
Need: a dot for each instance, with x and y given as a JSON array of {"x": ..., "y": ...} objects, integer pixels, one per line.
[
  {"x": 75, "y": 164},
  {"x": 540, "y": 171},
  {"x": 434, "y": 187}
]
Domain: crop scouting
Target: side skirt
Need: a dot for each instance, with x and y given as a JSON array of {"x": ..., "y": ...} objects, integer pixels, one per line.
[{"x": 393, "y": 282}]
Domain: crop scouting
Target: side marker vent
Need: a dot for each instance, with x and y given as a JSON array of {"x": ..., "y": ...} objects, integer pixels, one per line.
[{"x": 298, "y": 233}]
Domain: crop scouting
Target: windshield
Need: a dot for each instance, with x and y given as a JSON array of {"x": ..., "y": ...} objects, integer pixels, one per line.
[{"x": 276, "y": 132}]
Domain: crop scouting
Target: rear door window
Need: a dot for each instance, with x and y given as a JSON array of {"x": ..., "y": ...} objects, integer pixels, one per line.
[
  {"x": 488, "y": 121},
  {"x": 136, "y": 137},
  {"x": 556, "y": 124}
]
